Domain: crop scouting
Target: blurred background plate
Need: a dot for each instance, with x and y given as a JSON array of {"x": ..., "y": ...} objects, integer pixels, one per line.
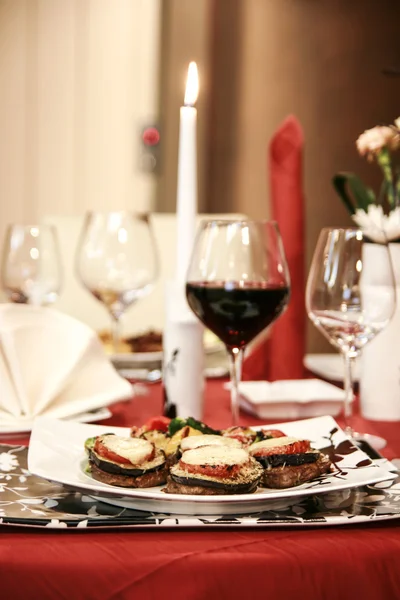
[
  {"x": 23, "y": 426},
  {"x": 329, "y": 366},
  {"x": 212, "y": 346}
]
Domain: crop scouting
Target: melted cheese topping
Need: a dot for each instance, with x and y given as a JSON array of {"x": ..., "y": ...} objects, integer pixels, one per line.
[
  {"x": 136, "y": 450},
  {"x": 215, "y": 455},
  {"x": 198, "y": 441},
  {"x": 272, "y": 443}
]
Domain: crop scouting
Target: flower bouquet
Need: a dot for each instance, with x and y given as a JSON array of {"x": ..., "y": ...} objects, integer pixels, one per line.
[{"x": 378, "y": 216}]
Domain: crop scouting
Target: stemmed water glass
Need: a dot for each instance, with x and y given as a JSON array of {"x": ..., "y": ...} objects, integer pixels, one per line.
[
  {"x": 237, "y": 285},
  {"x": 117, "y": 261},
  {"x": 31, "y": 265},
  {"x": 350, "y": 298}
]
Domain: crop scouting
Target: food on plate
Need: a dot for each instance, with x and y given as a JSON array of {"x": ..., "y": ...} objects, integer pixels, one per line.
[
  {"x": 179, "y": 422},
  {"x": 214, "y": 470},
  {"x": 150, "y": 341},
  {"x": 190, "y": 443},
  {"x": 168, "y": 436},
  {"x": 192, "y": 458},
  {"x": 248, "y": 436},
  {"x": 108, "y": 344},
  {"x": 126, "y": 461},
  {"x": 288, "y": 461},
  {"x": 165, "y": 436}
]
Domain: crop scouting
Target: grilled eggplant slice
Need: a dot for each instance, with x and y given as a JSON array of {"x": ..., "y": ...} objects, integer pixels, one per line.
[
  {"x": 196, "y": 485},
  {"x": 291, "y": 476},
  {"x": 115, "y": 468},
  {"x": 292, "y": 460},
  {"x": 202, "y": 473},
  {"x": 151, "y": 471},
  {"x": 148, "y": 479}
]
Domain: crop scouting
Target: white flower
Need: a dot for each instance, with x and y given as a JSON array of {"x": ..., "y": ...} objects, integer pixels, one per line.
[
  {"x": 8, "y": 462},
  {"x": 373, "y": 140},
  {"x": 397, "y": 123},
  {"x": 377, "y": 226}
]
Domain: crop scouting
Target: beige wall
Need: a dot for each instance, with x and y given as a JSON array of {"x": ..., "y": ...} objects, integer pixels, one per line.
[
  {"x": 321, "y": 60},
  {"x": 78, "y": 81}
]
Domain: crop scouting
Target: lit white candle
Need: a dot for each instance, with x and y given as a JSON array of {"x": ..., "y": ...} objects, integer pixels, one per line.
[{"x": 186, "y": 203}]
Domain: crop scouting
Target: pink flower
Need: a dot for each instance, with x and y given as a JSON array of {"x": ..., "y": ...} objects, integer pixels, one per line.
[{"x": 373, "y": 140}]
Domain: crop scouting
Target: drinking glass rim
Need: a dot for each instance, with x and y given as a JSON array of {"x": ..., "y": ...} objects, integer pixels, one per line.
[
  {"x": 342, "y": 229},
  {"x": 239, "y": 222},
  {"x": 140, "y": 214},
  {"x": 29, "y": 226},
  {"x": 353, "y": 230}
]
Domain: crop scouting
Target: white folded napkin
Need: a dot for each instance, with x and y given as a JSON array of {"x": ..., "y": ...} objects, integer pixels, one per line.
[
  {"x": 290, "y": 399},
  {"x": 53, "y": 365}
]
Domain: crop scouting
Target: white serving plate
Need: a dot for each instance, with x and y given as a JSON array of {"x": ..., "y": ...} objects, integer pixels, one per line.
[
  {"x": 291, "y": 399},
  {"x": 56, "y": 453},
  {"x": 329, "y": 366}
]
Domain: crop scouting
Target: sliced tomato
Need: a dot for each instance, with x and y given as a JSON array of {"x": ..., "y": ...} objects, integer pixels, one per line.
[
  {"x": 103, "y": 451},
  {"x": 273, "y": 433},
  {"x": 219, "y": 471},
  {"x": 297, "y": 447},
  {"x": 244, "y": 435},
  {"x": 157, "y": 424}
]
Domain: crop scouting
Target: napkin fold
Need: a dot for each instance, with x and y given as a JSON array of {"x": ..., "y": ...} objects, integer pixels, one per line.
[
  {"x": 291, "y": 399},
  {"x": 53, "y": 365},
  {"x": 280, "y": 354}
]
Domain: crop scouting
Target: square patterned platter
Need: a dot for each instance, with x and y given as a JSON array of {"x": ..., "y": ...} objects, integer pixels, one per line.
[
  {"x": 30, "y": 501},
  {"x": 56, "y": 453}
]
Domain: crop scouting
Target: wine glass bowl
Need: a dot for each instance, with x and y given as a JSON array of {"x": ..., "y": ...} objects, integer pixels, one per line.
[
  {"x": 117, "y": 261},
  {"x": 31, "y": 267},
  {"x": 237, "y": 284},
  {"x": 350, "y": 296}
]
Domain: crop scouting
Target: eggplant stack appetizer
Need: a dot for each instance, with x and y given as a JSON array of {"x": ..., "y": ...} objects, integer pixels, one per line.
[
  {"x": 125, "y": 461},
  {"x": 288, "y": 462},
  {"x": 214, "y": 470}
]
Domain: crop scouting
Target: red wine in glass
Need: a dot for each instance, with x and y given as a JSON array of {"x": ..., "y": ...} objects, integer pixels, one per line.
[
  {"x": 237, "y": 284},
  {"x": 236, "y": 313}
]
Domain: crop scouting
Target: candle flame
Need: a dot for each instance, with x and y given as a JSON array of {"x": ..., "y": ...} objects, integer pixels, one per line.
[{"x": 192, "y": 85}]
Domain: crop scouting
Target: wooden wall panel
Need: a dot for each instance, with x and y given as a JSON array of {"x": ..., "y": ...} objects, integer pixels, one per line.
[{"x": 321, "y": 60}]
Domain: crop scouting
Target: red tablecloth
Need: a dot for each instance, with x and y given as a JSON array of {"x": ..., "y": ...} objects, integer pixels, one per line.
[{"x": 319, "y": 564}]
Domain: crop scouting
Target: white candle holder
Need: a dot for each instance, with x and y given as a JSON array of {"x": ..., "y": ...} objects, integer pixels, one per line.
[{"x": 183, "y": 357}]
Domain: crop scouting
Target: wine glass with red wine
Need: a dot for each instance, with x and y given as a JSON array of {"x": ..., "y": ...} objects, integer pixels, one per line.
[{"x": 237, "y": 285}]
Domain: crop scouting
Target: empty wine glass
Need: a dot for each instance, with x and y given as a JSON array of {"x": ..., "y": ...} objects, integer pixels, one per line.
[
  {"x": 31, "y": 264},
  {"x": 117, "y": 261},
  {"x": 350, "y": 298},
  {"x": 237, "y": 285}
]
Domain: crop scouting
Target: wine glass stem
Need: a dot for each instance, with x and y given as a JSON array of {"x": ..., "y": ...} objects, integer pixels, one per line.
[
  {"x": 235, "y": 361},
  {"x": 116, "y": 332},
  {"x": 348, "y": 393}
]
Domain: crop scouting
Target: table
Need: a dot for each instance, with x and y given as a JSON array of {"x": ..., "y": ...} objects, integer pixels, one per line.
[{"x": 320, "y": 564}]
